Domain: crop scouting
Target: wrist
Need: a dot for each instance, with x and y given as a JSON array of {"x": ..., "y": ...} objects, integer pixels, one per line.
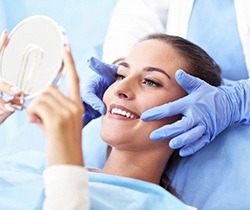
[
  {"x": 70, "y": 154},
  {"x": 238, "y": 97},
  {"x": 243, "y": 94}
]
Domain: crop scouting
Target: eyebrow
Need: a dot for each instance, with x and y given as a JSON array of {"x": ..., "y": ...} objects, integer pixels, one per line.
[{"x": 148, "y": 68}]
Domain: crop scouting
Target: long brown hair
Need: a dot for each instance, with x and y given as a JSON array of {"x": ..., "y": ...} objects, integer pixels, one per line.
[{"x": 199, "y": 64}]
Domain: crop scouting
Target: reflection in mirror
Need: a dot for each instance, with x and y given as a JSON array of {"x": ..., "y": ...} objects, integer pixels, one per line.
[{"x": 32, "y": 59}]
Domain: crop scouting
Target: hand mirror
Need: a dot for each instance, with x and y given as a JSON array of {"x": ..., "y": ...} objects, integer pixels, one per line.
[{"x": 33, "y": 57}]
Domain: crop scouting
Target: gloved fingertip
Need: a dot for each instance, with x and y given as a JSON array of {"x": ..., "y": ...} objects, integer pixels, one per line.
[
  {"x": 186, "y": 151},
  {"x": 155, "y": 136},
  {"x": 147, "y": 116},
  {"x": 175, "y": 144},
  {"x": 144, "y": 117},
  {"x": 89, "y": 60},
  {"x": 92, "y": 61},
  {"x": 102, "y": 110},
  {"x": 179, "y": 74}
]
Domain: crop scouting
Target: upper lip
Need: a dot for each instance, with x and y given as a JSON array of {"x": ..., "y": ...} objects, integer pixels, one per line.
[{"x": 125, "y": 109}]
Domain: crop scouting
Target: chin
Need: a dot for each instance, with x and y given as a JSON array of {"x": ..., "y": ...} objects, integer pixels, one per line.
[{"x": 111, "y": 137}]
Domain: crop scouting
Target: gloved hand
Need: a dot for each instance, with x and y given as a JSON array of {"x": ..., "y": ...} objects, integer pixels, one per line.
[
  {"x": 206, "y": 110},
  {"x": 96, "y": 86}
]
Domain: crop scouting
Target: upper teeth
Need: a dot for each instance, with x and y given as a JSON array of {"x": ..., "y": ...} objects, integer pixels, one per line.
[{"x": 122, "y": 112}]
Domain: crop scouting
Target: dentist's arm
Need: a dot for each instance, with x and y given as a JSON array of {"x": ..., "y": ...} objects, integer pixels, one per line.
[
  {"x": 206, "y": 110},
  {"x": 130, "y": 21}
]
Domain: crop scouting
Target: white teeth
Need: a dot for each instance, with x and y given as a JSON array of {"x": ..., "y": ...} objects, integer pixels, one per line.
[
  {"x": 122, "y": 112},
  {"x": 128, "y": 115}
]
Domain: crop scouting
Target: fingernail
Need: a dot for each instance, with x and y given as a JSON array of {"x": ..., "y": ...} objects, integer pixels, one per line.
[
  {"x": 67, "y": 48},
  {"x": 9, "y": 107},
  {"x": 15, "y": 89},
  {"x": 4, "y": 31}
]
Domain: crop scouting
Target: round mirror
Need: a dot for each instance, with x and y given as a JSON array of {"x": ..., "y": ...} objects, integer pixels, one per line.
[{"x": 33, "y": 57}]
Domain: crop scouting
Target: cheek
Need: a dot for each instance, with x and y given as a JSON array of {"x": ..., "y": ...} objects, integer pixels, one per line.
[
  {"x": 153, "y": 125},
  {"x": 162, "y": 99},
  {"x": 107, "y": 95},
  {"x": 175, "y": 93}
]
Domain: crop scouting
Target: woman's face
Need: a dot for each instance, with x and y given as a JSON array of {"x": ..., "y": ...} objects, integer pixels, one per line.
[{"x": 145, "y": 79}]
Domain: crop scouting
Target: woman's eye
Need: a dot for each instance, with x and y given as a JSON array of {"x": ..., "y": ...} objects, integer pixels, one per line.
[
  {"x": 118, "y": 76},
  {"x": 152, "y": 83}
]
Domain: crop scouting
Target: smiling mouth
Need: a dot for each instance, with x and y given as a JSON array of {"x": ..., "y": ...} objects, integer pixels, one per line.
[{"x": 123, "y": 112}]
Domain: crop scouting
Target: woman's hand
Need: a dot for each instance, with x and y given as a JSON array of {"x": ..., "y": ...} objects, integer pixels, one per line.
[
  {"x": 60, "y": 118},
  {"x": 6, "y": 109}
]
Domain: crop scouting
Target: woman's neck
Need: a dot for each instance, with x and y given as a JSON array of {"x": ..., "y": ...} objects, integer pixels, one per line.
[{"x": 142, "y": 165}]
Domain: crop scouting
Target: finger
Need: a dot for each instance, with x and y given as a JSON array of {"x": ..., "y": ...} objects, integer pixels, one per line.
[
  {"x": 195, "y": 146},
  {"x": 95, "y": 102},
  {"x": 7, "y": 88},
  {"x": 40, "y": 110},
  {"x": 52, "y": 93},
  {"x": 89, "y": 114},
  {"x": 105, "y": 70},
  {"x": 3, "y": 39},
  {"x": 173, "y": 129},
  {"x": 62, "y": 105},
  {"x": 4, "y": 116},
  {"x": 92, "y": 96},
  {"x": 166, "y": 110},
  {"x": 188, "y": 137},
  {"x": 189, "y": 83},
  {"x": 93, "y": 84},
  {"x": 72, "y": 77},
  {"x": 51, "y": 101},
  {"x": 5, "y": 110}
]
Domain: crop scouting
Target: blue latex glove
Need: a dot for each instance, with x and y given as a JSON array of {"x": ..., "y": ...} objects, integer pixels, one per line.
[
  {"x": 206, "y": 110},
  {"x": 96, "y": 86}
]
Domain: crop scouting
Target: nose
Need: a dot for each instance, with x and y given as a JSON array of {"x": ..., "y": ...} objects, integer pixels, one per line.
[{"x": 124, "y": 89}]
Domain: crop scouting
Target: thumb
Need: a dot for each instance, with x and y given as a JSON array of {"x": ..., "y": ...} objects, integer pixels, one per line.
[{"x": 189, "y": 83}]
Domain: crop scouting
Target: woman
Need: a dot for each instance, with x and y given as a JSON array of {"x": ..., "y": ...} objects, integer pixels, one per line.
[{"x": 145, "y": 79}]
